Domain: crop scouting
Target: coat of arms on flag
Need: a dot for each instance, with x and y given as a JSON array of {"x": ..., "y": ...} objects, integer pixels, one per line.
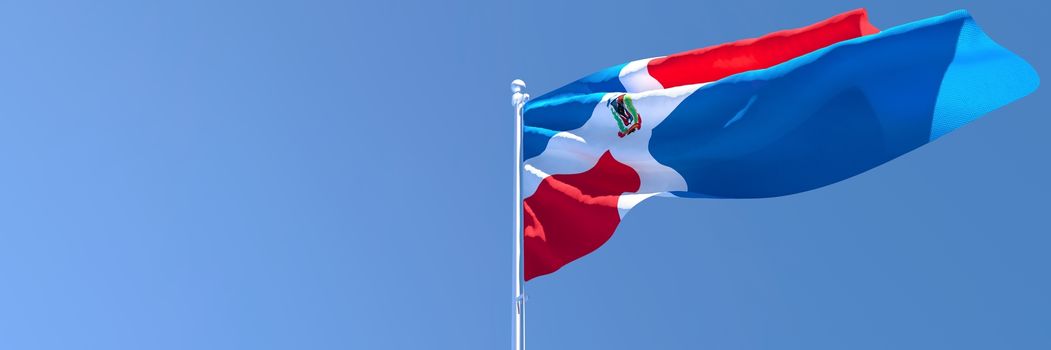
[{"x": 627, "y": 118}]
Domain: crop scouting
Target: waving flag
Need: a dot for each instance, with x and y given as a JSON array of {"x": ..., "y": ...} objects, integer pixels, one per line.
[{"x": 782, "y": 114}]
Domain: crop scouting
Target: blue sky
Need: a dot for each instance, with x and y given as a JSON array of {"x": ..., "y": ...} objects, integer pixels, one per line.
[{"x": 337, "y": 175}]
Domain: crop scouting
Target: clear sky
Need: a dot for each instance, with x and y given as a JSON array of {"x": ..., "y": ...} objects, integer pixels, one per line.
[{"x": 337, "y": 175}]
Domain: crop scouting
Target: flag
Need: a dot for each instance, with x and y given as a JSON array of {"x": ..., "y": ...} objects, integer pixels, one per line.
[{"x": 782, "y": 114}]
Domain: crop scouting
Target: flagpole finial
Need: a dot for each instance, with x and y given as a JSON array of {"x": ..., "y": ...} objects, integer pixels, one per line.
[{"x": 519, "y": 98}]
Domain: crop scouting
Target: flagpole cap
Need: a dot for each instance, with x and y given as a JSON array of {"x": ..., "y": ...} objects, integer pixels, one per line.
[
  {"x": 517, "y": 85},
  {"x": 519, "y": 98}
]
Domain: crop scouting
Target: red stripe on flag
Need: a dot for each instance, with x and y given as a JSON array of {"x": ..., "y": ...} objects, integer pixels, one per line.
[
  {"x": 716, "y": 62},
  {"x": 570, "y": 216}
]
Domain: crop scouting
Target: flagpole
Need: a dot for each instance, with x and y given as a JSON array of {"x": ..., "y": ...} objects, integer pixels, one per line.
[{"x": 518, "y": 99}]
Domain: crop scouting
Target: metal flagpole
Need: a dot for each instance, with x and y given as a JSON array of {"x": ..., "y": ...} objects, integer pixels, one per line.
[{"x": 518, "y": 100}]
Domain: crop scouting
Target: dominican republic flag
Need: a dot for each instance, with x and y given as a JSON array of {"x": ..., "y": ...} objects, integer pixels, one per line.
[{"x": 781, "y": 114}]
